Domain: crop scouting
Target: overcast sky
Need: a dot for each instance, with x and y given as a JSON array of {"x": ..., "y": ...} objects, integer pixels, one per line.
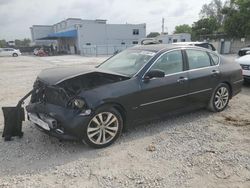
[{"x": 16, "y": 16}]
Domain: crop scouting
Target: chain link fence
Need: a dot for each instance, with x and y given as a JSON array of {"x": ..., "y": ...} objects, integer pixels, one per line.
[{"x": 101, "y": 50}]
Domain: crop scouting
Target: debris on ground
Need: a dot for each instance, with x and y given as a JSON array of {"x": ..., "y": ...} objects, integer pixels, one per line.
[{"x": 151, "y": 147}]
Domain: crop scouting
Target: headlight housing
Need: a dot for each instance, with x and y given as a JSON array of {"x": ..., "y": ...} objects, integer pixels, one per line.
[{"x": 78, "y": 103}]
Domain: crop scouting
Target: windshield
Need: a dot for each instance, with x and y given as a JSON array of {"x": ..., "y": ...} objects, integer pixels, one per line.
[{"x": 127, "y": 62}]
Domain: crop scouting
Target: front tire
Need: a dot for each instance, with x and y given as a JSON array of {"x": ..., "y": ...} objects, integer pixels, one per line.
[
  {"x": 15, "y": 55},
  {"x": 104, "y": 128},
  {"x": 220, "y": 98}
]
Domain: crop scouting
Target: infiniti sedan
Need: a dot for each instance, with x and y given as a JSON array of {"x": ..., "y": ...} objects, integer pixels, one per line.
[{"x": 95, "y": 105}]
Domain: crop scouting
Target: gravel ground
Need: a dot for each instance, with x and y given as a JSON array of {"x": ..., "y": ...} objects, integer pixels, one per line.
[{"x": 198, "y": 149}]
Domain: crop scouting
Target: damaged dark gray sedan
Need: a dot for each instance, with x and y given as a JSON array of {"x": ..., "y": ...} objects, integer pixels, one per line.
[{"x": 95, "y": 105}]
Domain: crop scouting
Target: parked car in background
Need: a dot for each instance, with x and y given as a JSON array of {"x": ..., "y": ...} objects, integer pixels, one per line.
[
  {"x": 200, "y": 44},
  {"x": 35, "y": 51},
  {"x": 9, "y": 52},
  {"x": 41, "y": 52},
  {"x": 94, "y": 105},
  {"x": 244, "y": 51},
  {"x": 244, "y": 62}
]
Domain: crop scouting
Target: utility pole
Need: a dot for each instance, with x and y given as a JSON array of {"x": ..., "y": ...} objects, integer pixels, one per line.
[{"x": 162, "y": 26}]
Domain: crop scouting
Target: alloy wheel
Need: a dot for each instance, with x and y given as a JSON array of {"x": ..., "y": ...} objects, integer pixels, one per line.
[
  {"x": 221, "y": 98},
  {"x": 102, "y": 128}
]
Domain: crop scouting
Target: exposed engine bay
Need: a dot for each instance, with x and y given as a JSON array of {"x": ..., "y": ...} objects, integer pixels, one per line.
[
  {"x": 88, "y": 81},
  {"x": 62, "y": 93}
]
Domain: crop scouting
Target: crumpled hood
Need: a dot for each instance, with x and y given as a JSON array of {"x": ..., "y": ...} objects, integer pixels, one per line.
[{"x": 57, "y": 75}]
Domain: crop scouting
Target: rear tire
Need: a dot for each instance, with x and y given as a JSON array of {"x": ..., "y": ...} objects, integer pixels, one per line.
[
  {"x": 220, "y": 98},
  {"x": 15, "y": 55},
  {"x": 104, "y": 127}
]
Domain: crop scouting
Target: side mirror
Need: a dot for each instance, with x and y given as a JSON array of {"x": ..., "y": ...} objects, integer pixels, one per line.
[{"x": 155, "y": 73}]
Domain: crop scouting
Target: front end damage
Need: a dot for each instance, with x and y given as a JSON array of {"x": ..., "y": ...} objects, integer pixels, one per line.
[
  {"x": 56, "y": 111},
  {"x": 61, "y": 109},
  {"x": 56, "y": 120}
]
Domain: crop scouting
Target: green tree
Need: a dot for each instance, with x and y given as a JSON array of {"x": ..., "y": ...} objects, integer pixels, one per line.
[
  {"x": 183, "y": 29},
  {"x": 237, "y": 18},
  {"x": 22, "y": 43},
  {"x": 2, "y": 43},
  {"x": 153, "y": 34},
  {"x": 18, "y": 42},
  {"x": 26, "y": 42},
  {"x": 203, "y": 27},
  {"x": 213, "y": 10}
]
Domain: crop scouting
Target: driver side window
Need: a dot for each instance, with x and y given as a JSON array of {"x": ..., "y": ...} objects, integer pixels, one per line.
[{"x": 170, "y": 62}]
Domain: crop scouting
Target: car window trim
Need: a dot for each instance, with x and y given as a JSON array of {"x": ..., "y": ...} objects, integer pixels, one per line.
[
  {"x": 211, "y": 60},
  {"x": 183, "y": 62}
]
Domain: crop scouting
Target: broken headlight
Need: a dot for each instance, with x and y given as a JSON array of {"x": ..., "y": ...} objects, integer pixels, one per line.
[{"x": 78, "y": 103}]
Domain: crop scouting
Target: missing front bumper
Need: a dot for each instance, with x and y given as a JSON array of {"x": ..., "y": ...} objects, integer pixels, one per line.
[
  {"x": 47, "y": 125},
  {"x": 57, "y": 120},
  {"x": 13, "y": 118},
  {"x": 41, "y": 122}
]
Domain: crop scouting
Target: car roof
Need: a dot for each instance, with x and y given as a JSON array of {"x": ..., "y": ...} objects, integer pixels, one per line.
[
  {"x": 190, "y": 43},
  {"x": 159, "y": 47}
]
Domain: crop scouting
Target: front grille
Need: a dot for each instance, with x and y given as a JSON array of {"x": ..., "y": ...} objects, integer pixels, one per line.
[
  {"x": 48, "y": 94},
  {"x": 245, "y": 67}
]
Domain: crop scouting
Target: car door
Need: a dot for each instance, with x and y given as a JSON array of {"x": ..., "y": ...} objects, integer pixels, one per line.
[
  {"x": 203, "y": 76},
  {"x": 160, "y": 95},
  {"x": 10, "y": 52}
]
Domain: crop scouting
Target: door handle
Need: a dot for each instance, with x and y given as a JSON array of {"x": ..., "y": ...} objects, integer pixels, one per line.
[
  {"x": 182, "y": 79},
  {"x": 215, "y": 72}
]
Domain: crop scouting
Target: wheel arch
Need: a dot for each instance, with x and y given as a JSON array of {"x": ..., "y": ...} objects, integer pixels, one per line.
[
  {"x": 230, "y": 88},
  {"x": 119, "y": 108}
]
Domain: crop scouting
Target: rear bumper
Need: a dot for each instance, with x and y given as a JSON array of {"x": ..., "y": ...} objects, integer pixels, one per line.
[{"x": 67, "y": 124}]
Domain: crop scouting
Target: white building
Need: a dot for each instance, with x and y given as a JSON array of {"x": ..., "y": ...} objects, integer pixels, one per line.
[
  {"x": 181, "y": 37},
  {"x": 41, "y": 31},
  {"x": 88, "y": 37}
]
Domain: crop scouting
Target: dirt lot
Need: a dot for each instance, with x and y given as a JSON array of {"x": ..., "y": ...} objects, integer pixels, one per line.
[{"x": 199, "y": 149}]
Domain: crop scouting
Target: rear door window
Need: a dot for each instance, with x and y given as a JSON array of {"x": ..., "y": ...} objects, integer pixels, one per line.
[
  {"x": 215, "y": 59},
  {"x": 198, "y": 59}
]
